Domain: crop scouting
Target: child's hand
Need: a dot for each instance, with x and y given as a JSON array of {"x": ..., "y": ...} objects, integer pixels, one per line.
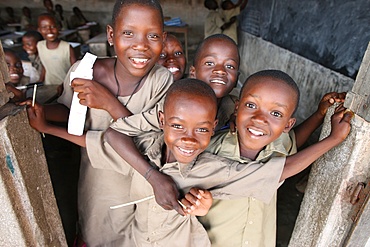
[
  {"x": 340, "y": 123},
  {"x": 197, "y": 202},
  {"x": 328, "y": 100},
  {"x": 165, "y": 191},
  {"x": 93, "y": 94},
  {"x": 18, "y": 94},
  {"x": 36, "y": 116}
]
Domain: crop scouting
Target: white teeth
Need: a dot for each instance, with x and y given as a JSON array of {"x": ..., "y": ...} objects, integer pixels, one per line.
[
  {"x": 14, "y": 75},
  {"x": 173, "y": 70},
  {"x": 218, "y": 81},
  {"x": 186, "y": 151},
  {"x": 50, "y": 35},
  {"x": 255, "y": 132},
  {"x": 139, "y": 60}
]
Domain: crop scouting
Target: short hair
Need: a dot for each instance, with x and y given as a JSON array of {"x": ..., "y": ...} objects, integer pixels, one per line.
[
  {"x": 33, "y": 34},
  {"x": 191, "y": 86},
  {"x": 48, "y": 15},
  {"x": 123, "y": 3},
  {"x": 279, "y": 75},
  {"x": 210, "y": 4},
  {"x": 209, "y": 39}
]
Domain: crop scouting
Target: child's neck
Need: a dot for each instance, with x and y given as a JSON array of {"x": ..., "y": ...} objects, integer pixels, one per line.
[
  {"x": 248, "y": 153},
  {"x": 52, "y": 44}
]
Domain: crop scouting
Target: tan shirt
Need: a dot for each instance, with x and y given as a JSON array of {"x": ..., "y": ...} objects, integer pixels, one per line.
[
  {"x": 213, "y": 23},
  {"x": 56, "y": 62},
  {"x": 154, "y": 226},
  {"x": 98, "y": 189},
  {"x": 247, "y": 221},
  {"x": 225, "y": 110},
  {"x": 231, "y": 31}
]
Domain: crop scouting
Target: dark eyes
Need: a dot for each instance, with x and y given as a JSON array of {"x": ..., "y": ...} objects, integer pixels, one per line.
[
  {"x": 162, "y": 56},
  {"x": 178, "y": 53}
]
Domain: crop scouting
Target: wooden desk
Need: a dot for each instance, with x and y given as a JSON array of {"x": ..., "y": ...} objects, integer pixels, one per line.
[
  {"x": 68, "y": 35},
  {"x": 184, "y": 30}
]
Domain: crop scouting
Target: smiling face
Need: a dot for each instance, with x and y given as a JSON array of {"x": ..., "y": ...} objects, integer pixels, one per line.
[
  {"x": 48, "y": 28},
  {"x": 264, "y": 113},
  {"x": 217, "y": 65},
  {"x": 188, "y": 123},
  {"x": 173, "y": 58},
  {"x": 29, "y": 45},
  {"x": 137, "y": 37},
  {"x": 15, "y": 67}
]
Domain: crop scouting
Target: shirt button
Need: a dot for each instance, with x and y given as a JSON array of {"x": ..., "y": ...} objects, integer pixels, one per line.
[
  {"x": 154, "y": 208},
  {"x": 253, "y": 199},
  {"x": 250, "y": 222},
  {"x": 246, "y": 242}
]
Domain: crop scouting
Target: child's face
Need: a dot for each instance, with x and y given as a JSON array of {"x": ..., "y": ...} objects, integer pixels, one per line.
[
  {"x": 172, "y": 57},
  {"x": 218, "y": 66},
  {"x": 48, "y": 28},
  {"x": 188, "y": 122},
  {"x": 29, "y": 45},
  {"x": 264, "y": 112},
  {"x": 137, "y": 38},
  {"x": 15, "y": 67}
]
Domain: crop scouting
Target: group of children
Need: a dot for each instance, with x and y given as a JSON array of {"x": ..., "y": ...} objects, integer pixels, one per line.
[{"x": 148, "y": 140}]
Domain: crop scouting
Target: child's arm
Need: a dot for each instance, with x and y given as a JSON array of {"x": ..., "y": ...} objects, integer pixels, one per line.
[
  {"x": 340, "y": 127},
  {"x": 197, "y": 201},
  {"x": 72, "y": 55},
  {"x": 165, "y": 189},
  {"x": 38, "y": 121},
  {"x": 306, "y": 128}
]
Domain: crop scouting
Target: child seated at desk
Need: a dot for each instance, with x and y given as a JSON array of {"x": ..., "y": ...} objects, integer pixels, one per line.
[{"x": 33, "y": 68}]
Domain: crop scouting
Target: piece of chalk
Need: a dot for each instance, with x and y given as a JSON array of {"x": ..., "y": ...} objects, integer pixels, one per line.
[{"x": 34, "y": 95}]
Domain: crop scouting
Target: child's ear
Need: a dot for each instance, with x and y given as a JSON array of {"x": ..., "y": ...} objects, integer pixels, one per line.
[
  {"x": 214, "y": 126},
  {"x": 110, "y": 35},
  {"x": 289, "y": 125},
  {"x": 161, "y": 119},
  {"x": 192, "y": 72},
  {"x": 236, "y": 107}
]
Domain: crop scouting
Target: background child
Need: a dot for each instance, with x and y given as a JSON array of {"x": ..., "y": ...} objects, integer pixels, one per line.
[
  {"x": 216, "y": 62},
  {"x": 56, "y": 55},
  {"x": 214, "y": 23},
  {"x": 36, "y": 71},
  {"x": 26, "y": 19},
  {"x": 15, "y": 68},
  {"x": 230, "y": 12},
  {"x": 172, "y": 57},
  {"x": 132, "y": 83}
]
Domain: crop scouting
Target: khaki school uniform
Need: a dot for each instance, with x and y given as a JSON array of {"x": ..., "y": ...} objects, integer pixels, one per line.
[
  {"x": 247, "y": 221},
  {"x": 225, "y": 110},
  {"x": 154, "y": 226},
  {"x": 231, "y": 31},
  {"x": 98, "y": 189},
  {"x": 213, "y": 23}
]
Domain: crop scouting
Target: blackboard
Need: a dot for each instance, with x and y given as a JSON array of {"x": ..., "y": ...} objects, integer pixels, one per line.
[{"x": 332, "y": 33}]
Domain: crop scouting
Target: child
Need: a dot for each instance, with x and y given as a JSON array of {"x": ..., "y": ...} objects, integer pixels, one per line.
[
  {"x": 230, "y": 12},
  {"x": 77, "y": 19},
  {"x": 60, "y": 17},
  {"x": 187, "y": 123},
  {"x": 214, "y": 23},
  {"x": 26, "y": 19},
  {"x": 15, "y": 68},
  {"x": 56, "y": 55},
  {"x": 132, "y": 83},
  {"x": 36, "y": 71},
  {"x": 248, "y": 220},
  {"x": 172, "y": 57},
  {"x": 216, "y": 62}
]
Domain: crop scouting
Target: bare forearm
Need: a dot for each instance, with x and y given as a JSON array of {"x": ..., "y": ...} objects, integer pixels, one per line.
[
  {"x": 306, "y": 128},
  {"x": 117, "y": 110},
  {"x": 56, "y": 113},
  {"x": 62, "y": 133},
  {"x": 301, "y": 160}
]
